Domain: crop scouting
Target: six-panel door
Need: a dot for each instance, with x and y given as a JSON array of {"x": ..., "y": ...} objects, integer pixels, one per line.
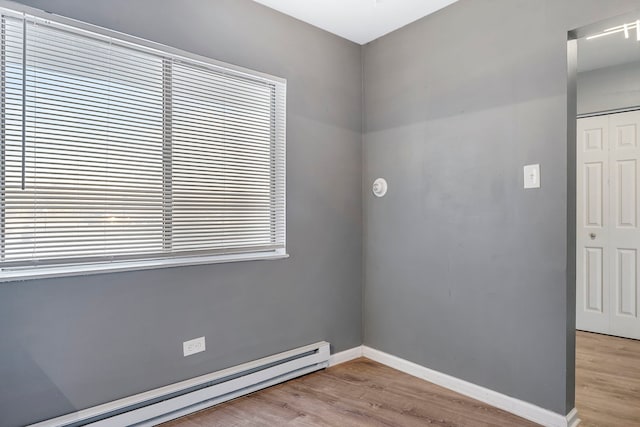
[
  {"x": 592, "y": 309},
  {"x": 608, "y": 237}
]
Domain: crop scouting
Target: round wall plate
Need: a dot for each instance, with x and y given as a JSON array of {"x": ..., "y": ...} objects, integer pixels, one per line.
[{"x": 380, "y": 187}]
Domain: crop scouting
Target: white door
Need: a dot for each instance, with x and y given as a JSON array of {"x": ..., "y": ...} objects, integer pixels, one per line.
[
  {"x": 624, "y": 234},
  {"x": 608, "y": 239},
  {"x": 592, "y": 267}
]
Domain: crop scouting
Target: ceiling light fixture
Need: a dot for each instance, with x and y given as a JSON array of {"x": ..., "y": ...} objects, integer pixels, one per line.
[{"x": 624, "y": 28}]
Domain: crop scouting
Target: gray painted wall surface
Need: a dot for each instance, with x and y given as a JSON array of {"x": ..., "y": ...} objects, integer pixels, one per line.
[
  {"x": 609, "y": 88},
  {"x": 465, "y": 272},
  {"x": 71, "y": 343}
]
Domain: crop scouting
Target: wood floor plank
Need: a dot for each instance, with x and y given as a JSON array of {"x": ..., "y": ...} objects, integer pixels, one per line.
[
  {"x": 354, "y": 394},
  {"x": 607, "y": 380}
]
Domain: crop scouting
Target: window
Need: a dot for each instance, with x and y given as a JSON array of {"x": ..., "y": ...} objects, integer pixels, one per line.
[{"x": 115, "y": 153}]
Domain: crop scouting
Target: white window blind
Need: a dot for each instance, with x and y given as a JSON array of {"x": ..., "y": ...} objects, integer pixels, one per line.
[{"x": 115, "y": 152}]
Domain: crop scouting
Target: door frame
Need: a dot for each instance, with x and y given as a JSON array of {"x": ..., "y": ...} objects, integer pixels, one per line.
[{"x": 572, "y": 135}]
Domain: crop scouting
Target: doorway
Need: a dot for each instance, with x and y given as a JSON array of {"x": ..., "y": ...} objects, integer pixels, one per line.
[{"x": 604, "y": 168}]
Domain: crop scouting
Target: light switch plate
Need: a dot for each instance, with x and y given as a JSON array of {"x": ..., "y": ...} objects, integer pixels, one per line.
[{"x": 532, "y": 176}]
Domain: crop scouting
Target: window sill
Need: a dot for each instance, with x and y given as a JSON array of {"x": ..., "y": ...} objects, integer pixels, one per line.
[{"x": 88, "y": 269}]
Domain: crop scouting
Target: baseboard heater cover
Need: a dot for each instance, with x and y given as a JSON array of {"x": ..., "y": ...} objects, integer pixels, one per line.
[{"x": 173, "y": 401}]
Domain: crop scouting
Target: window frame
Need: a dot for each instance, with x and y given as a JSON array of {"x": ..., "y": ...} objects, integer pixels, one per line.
[{"x": 178, "y": 55}]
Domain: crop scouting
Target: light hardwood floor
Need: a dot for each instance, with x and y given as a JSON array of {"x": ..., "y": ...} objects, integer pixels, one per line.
[
  {"x": 356, "y": 393},
  {"x": 607, "y": 380},
  {"x": 365, "y": 393}
]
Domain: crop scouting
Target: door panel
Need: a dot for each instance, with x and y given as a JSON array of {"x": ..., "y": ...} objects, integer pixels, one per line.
[
  {"x": 626, "y": 279},
  {"x": 593, "y": 280},
  {"x": 593, "y": 192},
  {"x": 625, "y": 193}
]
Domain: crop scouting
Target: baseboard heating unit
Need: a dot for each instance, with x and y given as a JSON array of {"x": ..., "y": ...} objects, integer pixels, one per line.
[{"x": 176, "y": 400}]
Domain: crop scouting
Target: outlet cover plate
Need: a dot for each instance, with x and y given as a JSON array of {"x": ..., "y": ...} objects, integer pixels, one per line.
[{"x": 193, "y": 346}]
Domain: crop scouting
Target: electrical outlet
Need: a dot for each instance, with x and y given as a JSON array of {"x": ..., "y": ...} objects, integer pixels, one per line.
[{"x": 193, "y": 346}]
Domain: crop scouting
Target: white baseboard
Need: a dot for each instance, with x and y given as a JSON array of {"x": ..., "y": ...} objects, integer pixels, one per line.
[
  {"x": 572, "y": 418},
  {"x": 507, "y": 403},
  {"x": 345, "y": 356}
]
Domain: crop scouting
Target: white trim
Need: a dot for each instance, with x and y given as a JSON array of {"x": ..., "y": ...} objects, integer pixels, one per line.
[
  {"x": 314, "y": 357},
  {"x": 607, "y": 112},
  {"x": 572, "y": 418},
  {"x": 120, "y": 266},
  {"x": 345, "y": 356},
  {"x": 507, "y": 403}
]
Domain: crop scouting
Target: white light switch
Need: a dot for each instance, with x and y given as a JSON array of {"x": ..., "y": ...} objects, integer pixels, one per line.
[{"x": 532, "y": 176}]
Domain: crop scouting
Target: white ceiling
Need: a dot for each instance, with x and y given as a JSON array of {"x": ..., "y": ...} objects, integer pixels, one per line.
[{"x": 360, "y": 21}]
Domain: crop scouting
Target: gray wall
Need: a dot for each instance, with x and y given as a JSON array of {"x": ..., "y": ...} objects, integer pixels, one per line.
[
  {"x": 71, "y": 343},
  {"x": 465, "y": 272},
  {"x": 609, "y": 88}
]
